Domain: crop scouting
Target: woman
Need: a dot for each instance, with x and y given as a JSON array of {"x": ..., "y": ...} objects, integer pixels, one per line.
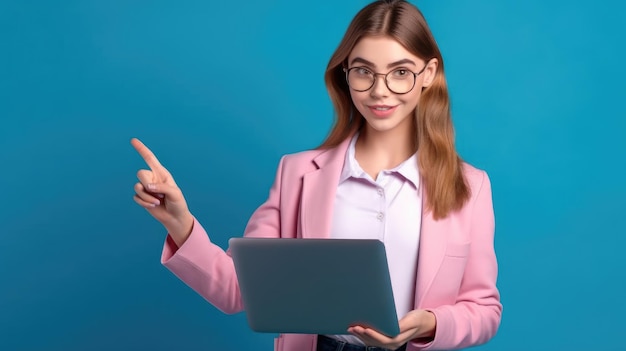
[{"x": 389, "y": 162}]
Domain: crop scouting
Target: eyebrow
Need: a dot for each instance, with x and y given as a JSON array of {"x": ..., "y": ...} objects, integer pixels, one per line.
[{"x": 393, "y": 64}]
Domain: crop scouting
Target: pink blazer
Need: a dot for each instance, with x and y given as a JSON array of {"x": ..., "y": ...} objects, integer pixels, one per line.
[{"x": 456, "y": 270}]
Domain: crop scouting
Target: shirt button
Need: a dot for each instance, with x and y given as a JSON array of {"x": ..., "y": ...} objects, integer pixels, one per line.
[
  {"x": 380, "y": 191},
  {"x": 380, "y": 216}
]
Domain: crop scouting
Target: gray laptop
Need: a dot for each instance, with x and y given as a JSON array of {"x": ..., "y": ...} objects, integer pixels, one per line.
[{"x": 314, "y": 286}]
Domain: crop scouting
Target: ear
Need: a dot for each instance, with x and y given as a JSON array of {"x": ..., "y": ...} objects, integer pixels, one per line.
[{"x": 430, "y": 72}]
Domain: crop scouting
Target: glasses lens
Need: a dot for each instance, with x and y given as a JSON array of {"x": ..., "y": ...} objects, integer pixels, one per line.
[
  {"x": 400, "y": 81},
  {"x": 360, "y": 79}
]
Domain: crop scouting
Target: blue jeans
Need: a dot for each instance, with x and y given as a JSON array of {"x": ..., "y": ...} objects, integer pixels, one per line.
[{"x": 325, "y": 343}]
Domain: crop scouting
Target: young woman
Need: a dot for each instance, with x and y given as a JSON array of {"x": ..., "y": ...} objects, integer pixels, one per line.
[{"x": 388, "y": 170}]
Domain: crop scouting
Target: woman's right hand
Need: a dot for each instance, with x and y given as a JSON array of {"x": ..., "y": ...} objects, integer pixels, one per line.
[{"x": 157, "y": 192}]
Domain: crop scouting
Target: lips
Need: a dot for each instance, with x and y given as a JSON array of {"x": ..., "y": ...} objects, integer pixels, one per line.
[
  {"x": 381, "y": 107},
  {"x": 382, "y": 110}
]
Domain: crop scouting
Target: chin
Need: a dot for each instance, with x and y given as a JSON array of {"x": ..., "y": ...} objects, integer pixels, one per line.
[
  {"x": 386, "y": 123},
  {"x": 382, "y": 125}
]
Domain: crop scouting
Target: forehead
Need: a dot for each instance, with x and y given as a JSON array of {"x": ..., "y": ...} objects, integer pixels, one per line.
[{"x": 381, "y": 51}]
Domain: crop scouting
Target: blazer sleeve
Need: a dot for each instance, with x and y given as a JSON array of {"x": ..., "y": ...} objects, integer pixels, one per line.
[
  {"x": 207, "y": 268},
  {"x": 475, "y": 317}
]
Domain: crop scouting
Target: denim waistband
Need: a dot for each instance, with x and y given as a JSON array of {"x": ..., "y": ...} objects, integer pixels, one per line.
[{"x": 325, "y": 343}]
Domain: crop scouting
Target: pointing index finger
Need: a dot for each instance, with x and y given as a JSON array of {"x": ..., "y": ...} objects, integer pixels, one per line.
[{"x": 147, "y": 156}]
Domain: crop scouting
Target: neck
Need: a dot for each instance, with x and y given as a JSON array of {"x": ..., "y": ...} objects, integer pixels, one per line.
[{"x": 389, "y": 148}]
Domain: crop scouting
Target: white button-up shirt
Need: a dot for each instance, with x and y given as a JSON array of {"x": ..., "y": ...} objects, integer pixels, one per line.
[{"x": 389, "y": 209}]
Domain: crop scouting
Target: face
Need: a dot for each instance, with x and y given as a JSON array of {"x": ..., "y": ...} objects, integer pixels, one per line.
[{"x": 383, "y": 109}]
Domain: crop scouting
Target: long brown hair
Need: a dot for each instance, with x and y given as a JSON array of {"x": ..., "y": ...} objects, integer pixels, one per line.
[{"x": 440, "y": 165}]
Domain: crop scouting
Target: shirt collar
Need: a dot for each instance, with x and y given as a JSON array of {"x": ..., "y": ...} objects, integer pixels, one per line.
[{"x": 351, "y": 168}]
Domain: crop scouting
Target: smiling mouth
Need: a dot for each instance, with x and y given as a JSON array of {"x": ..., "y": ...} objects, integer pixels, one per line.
[
  {"x": 382, "y": 110},
  {"x": 381, "y": 107}
]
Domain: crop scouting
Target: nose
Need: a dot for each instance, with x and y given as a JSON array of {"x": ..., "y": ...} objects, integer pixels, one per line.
[{"x": 380, "y": 86}]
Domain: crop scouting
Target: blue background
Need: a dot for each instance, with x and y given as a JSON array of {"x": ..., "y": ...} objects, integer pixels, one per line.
[{"x": 221, "y": 90}]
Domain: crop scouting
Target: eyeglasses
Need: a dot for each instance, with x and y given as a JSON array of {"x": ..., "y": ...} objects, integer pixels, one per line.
[{"x": 398, "y": 81}]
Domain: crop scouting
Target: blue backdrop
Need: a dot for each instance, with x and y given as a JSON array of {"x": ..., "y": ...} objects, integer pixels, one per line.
[{"x": 220, "y": 91}]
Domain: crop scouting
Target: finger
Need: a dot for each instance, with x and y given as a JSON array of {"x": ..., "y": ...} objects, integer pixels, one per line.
[
  {"x": 146, "y": 177},
  {"x": 170, "y": 191},
  {"x": 400, "y": 338},
  {"x": 370, "y": 332},
  {"x": 373, "y": 337},
  {"x": 147, "y": 156},
  {"x": 146, "y": 196},
  {"x": 142, "y": 203},
  {"x": 367, "y": 341},
  {"x": 376, "y": 337},
  {"x": 359, "y": 331}
]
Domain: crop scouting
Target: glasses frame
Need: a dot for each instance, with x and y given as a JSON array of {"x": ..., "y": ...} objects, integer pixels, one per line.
[{"x": 375, "y": 74}]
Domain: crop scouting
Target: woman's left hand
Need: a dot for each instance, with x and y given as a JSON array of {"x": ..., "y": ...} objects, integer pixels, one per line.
[{"x": 416, "y": 324}]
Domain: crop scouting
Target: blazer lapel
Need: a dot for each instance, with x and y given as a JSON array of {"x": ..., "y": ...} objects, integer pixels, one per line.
[{"x": 318, "y": 192}]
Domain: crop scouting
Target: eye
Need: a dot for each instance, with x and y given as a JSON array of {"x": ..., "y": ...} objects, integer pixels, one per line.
[
  {"x": 362, "y": 71},
  {"x": 400, "y": 72}
]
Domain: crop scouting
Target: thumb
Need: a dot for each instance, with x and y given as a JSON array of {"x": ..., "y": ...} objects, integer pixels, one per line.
[{"x": 410, "y": 321}]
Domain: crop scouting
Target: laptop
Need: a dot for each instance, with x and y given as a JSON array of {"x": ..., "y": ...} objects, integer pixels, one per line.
[{"x": 314, "y": 286}]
